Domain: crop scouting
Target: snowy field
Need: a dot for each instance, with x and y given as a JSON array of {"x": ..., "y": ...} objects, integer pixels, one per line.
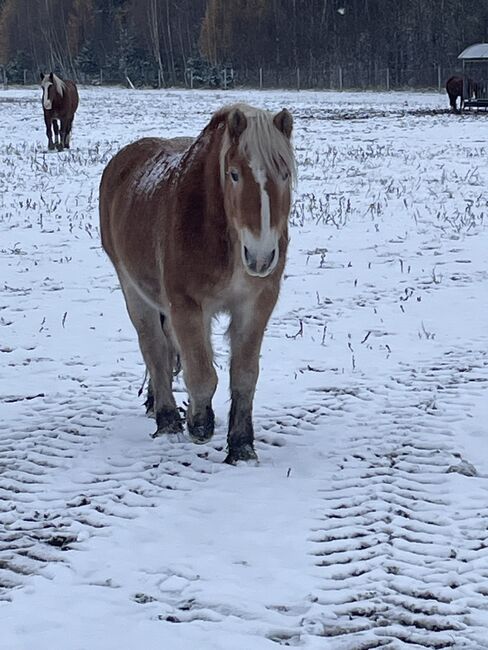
[{"x": 365, "y": 523}]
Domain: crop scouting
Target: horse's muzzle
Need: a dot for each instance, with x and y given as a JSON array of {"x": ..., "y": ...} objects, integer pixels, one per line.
[{"x": 259, "y": 265}]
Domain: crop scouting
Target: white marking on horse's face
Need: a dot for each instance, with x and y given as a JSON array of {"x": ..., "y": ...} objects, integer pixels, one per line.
[
  {"x": 258, "y": 203},
  {"x": 46, "y": 102},
  {"x": 260, "y": 252}
]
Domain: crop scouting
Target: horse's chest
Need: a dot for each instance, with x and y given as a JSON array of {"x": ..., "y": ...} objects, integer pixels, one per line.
[
  {"x": 53, "y": 113},
  {"x": 237, "y": 290}
]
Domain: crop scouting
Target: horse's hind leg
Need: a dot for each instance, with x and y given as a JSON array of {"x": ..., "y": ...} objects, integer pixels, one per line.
[
  {"x": 67, "y": 136},
  {"x": 149, "y": 403},
  {"x": 159, "y": 357},
  {"x": 192, "y": 331}
]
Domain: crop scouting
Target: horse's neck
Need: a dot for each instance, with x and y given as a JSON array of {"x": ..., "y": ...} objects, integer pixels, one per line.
[{"x": 202, "y": 174}]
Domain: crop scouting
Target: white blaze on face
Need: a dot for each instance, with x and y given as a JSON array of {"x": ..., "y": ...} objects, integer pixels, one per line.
[
  {"x": 261, "y": 247},
  {"x": 46, "y": 102}
]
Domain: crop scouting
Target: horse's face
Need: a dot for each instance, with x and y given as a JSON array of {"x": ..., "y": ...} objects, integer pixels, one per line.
[
  {"x": 47, "y": 85},
  {"x": 256, "y": 199}
]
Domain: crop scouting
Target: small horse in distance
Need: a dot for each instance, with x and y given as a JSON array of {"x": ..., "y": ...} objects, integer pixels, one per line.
[
  {"x": 462, "y": 88},
  {"x": 59, "y": 102},
  {"x": 194, "y": 228}
]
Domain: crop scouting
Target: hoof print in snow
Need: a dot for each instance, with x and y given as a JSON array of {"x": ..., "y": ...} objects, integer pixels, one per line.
[
  {"x": 142, "y": 599},
  {"x": 61, "y": 541},
  {"x": 172, "y": 619},
  {"x": 464, "y": 468},
  {"x": 285, "y": 638}
]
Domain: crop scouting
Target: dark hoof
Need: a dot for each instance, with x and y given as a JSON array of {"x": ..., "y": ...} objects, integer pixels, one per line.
[
  {"x": 66, "y": 146},
  {"x": 51, "y": 146},
  {"x": 59, "y": 147},
  {"x": 201, "y": 429},
  {"x": 245, "y": 452},
  {"x": 168, "y": 421}
]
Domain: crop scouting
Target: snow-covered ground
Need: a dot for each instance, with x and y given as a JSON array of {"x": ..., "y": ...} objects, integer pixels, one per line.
[{"x": 366, "y": 523}]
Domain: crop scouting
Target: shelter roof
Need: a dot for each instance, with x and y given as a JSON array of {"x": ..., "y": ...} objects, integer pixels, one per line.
[{"x": 476, "y": 52}]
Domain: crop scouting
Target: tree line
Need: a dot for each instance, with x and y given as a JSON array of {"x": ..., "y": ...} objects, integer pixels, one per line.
[{"x": 315, "y": 43}]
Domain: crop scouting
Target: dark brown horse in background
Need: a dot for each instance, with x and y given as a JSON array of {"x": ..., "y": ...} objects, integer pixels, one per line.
[
  {"x": 462, "y": 87},
  {"x": 59, "y": 102},
  {"x": 194, "y": 228}
]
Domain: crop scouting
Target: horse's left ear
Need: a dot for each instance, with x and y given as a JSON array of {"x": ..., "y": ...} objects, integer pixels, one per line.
[
  {"x": 51, "y": 77},
  {"x": 236, "y": 122},
  {"x": 41, "y": 75},
  {"x": 284, "y": 122}
]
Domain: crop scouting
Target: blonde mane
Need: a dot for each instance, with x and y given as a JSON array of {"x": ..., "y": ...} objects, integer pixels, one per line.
[
  {"x": 59, "y": 85},
  {"x": 262, "y": 143}
]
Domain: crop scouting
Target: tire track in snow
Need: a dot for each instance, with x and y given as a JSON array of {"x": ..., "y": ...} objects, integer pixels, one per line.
[
  {"x": 59, "y": 486},
  {"x": 68, "y": 472},
  {"x": 400, "y": 566}
]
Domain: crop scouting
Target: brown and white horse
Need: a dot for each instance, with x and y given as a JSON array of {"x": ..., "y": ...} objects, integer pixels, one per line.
[
  {"x": 197, "y": 227},
  {"x": 59, "y": 102}
]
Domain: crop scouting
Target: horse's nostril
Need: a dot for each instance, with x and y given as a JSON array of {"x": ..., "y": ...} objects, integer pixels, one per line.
[
  {"x": 247, "y": 255},
  {"x": 271, "y": 257}
]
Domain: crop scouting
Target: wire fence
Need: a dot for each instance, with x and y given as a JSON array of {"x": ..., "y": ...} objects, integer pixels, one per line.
[{"x": 339, "y": 77}]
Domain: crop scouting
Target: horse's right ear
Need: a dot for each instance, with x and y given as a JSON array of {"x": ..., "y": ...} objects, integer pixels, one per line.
[
  {"x": 41, "y": 75},
  {"x": 284, "y": 122},
  {"x": 51, "y": 77},
  {"x": 236, "y": 122}
]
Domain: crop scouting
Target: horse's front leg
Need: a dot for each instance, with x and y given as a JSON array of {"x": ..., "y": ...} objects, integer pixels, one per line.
[
  {"x": 48, "y": 122},
  {"x": 60, "y": 133},
  {"x": 246, "y": 334},
  {"x": 192, "y": 331}
]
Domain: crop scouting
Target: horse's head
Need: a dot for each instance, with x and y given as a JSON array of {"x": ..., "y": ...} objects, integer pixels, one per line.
[
  {"x": 51, "y": 85},
  {"x": 47, "y": 85},
  {"x": 257, "y": 169}
]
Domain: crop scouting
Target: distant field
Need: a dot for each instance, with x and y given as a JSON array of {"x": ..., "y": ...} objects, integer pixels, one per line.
[{"x": 365, "y": 523}]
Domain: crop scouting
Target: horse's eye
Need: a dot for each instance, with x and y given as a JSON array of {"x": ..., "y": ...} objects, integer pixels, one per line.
[
  {"x": 285, "y": 176},
  {"x": 234, "y": 175}
]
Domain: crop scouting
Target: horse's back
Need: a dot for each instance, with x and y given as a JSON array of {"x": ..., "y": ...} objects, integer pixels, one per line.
[
  {"x": 145, "y": 155},
  {"x": 454, "y": 84},
  {"x": 72, "y": 96},
  {"x": 129, "y": 182}
]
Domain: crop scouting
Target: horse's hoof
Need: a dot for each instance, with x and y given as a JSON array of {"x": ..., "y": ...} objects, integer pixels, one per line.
[
  {"x": 51, "y": 146},
  {"x": 168, "y": 421},
  {"x": 244, "y": 452},
  {"x": 201, "y": 432},
  {"x": 170, "y": 429},
  {"x": 59, "y": 147}
]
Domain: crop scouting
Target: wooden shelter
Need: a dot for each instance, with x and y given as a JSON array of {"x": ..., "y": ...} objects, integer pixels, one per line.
[{"x": 475, "y": 65}]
